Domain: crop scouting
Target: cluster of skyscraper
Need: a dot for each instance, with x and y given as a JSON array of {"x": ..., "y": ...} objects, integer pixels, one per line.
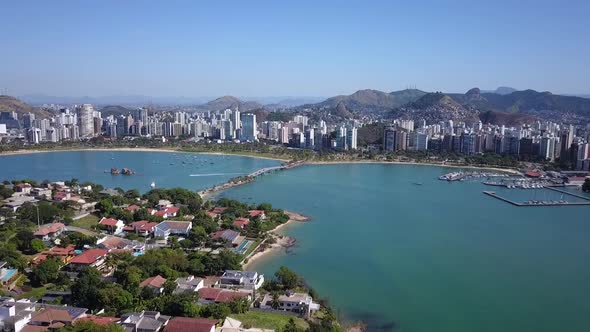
[
  {"x": 227, "y": 125},
  {"x": 84, "y": 122},
  {"x": 300, "y": 133},
  {"x": 545, "y": 140}
]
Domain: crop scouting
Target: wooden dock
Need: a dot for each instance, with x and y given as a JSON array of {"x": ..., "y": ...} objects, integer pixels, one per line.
[{"x": 541, "y": 203}]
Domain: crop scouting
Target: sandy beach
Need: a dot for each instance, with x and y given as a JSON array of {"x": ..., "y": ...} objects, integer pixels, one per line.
[
  {"x": 21, "y": 152},
  {"x": 283, "y": 241}
]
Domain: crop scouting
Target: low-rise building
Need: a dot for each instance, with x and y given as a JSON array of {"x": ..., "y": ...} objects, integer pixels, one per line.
[
  {"x": 185, "y": 324},
  {"x": 14, "y": 315},
  {"x": 49, "y": 231},
  {"x": 219, "y": 295},
  {"x": 167, "y": 228},
  {"x": 145, "y": 321},
  {"x": 189, "y": 284},
  {"x": 89, "y": 258},
  {"x": 241, "y": 280},
  {"x": 156, "y": 284},
  {"x": 141, "y": 228},
  {"x": 300, "y": 303},
  {"x": 114, "y": 226}
]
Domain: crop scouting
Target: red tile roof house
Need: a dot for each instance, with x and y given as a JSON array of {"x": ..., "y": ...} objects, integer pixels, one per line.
[
  {"x": 24, "y": 188},
  {"x": 142, "y": 227},
  {"x": 241, "y": 222},
  {"x": 49, "y": 231},
  {"x": 257, "y": 213},
  {"x": 185, "y": 324},
  {"x": 54, "y": 318},
  {"x": 219, "y": 295},
  {"x": 154, "y": 283},
  {"x": 99, "y": 320},
  {"x": 169, "y": 212},
  {"x": 132, "y": 208},
  {"x": 114, "y": 226},
  {"x": 91, "y": 257},
  {"x": 65, "y": 254}
]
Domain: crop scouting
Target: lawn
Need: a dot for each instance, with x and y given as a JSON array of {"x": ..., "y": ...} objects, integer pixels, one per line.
[
  {"x": 36, "y": 293},
  {"x": 88, "y": 222},
  {"x": 252, "y": 247},
  {"x": 268, "y": 320}
]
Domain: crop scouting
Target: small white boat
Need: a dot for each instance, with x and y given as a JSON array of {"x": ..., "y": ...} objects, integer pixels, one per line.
[{"x": 153, "y": 185}]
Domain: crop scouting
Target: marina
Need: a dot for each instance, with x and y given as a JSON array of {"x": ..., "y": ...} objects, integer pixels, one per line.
[{"x": 560, "y": 202}]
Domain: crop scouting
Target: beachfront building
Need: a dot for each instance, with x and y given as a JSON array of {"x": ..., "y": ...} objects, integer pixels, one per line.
[
  {"x": 241, "y": 280},
  {"x": 300, "y": 303}
]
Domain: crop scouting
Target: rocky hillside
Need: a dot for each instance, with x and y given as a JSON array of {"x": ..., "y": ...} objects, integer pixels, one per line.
[{"x": 11, "y": 104}]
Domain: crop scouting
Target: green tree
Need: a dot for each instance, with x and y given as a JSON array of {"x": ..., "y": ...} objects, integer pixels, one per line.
[
  {"x": 37, "y": 245},
  {"x": 291, "y": 326},
  {"x": 115, "y": 299},
  {"x": 169, "y": 287},
  {"x": 23, "y": 240},
  {"x": 586, "y": 186},
  {"x": 85, "y": 289},
  {"x": 105, "y": 206},
  {"x": 287, "y": 278},
  {"x": 5, "y": 192},
  {"x": 88, "y": 326},
  {"x": 47, "y": 271}
]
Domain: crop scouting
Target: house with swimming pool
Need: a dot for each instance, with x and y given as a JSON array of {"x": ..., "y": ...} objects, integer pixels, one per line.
[{"x": 7, "y": 276}]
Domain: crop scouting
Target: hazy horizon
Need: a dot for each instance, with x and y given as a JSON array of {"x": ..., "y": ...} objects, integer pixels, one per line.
[{"x": 303, "y": 49}]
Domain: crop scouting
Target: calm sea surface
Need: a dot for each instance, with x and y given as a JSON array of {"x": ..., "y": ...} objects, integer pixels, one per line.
[
  {"x": 434, "y": 257},
  {"x": 422, "y": 258},
  {"x": 188, "y": 170}
]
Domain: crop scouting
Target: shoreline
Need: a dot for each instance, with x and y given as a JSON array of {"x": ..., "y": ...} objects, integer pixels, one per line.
[
  {"x": 491, "y": 168},
  {"x": 283, "y": 241},
  {"x": 309, "y": 162},
  {"x": 168, "y": 150}
]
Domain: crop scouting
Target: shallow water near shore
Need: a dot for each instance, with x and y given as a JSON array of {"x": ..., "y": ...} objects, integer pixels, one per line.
[{"x": 434, "y": 257}]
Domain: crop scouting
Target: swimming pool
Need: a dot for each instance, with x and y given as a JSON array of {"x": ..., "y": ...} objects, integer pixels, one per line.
[{"x": 6, "y": 274}]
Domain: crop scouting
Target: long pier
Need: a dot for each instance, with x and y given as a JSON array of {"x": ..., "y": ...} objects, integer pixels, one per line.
[
  {"x": 248, "y": 178},
  {"x": 540, "y": 203},
  {"x": 569, "y": 193}
]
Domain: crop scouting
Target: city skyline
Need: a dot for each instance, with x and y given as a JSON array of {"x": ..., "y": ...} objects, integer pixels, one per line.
[{"x": 308, "y": 49}]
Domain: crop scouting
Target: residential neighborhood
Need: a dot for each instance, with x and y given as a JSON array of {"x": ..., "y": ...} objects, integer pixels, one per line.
[{"x": 83, "y": 254}]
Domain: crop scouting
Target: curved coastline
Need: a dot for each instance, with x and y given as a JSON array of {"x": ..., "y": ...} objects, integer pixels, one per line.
[{"x": 167, "y": 150}]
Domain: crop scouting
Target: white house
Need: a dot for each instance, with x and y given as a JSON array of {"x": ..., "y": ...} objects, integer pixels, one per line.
[
  {"x": 167, "y": 228},
  {"x": 301, "y": 303},
  {"x": 14, "y": 315},
  {"x": 241, "y": 280},
  {"x": 189, "y": 284}
]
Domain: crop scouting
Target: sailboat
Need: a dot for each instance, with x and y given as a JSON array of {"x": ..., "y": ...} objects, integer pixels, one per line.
[{"x": 153, "y": 185}]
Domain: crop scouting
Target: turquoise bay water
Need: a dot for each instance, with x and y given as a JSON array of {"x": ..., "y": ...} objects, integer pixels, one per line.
[
  {"x": 437, "y": 257},
  {"x": 206, "y": 170}
]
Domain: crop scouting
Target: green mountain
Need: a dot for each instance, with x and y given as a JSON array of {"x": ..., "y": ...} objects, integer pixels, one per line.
[{"x": 370, "y": 100}]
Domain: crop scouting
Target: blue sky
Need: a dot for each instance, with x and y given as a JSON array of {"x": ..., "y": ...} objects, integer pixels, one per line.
[{"x": 291, "y": 48}]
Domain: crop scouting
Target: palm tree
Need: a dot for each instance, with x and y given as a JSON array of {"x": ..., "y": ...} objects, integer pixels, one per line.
[{"x": 275, "y": 303}]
